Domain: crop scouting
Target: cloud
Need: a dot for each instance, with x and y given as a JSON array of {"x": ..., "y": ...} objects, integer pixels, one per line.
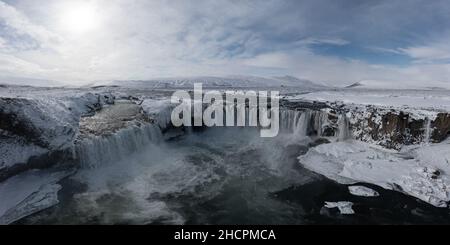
[
  {"x": 138, "y": 39},
  {"x": 431, "y": 53},
  {"x": 22, "y": 33}
]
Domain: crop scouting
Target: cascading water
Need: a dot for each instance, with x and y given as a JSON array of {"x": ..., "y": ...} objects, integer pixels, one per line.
[
  {"x": 320, "y": 121},
  {"x": 92, "y": 152},
  {"x": 343, "y": 128},
  {"x": 302, "y": 123},
  {"x": 427, "y": 131},
  {"x": 301, "y": 127}
]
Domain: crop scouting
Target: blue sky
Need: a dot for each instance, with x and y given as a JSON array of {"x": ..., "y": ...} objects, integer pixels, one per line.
[{"x": 337, "y": 42}]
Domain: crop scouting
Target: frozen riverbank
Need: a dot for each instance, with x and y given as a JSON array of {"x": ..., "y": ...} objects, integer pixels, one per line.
[{"x": 420, "y": 171}]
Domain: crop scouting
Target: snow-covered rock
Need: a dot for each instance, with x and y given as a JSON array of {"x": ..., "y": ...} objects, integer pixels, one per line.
[
  {"x": 387, "y": 118},
  {"x": 40, "y": 124},
  {"x": 159, "y": 110}
]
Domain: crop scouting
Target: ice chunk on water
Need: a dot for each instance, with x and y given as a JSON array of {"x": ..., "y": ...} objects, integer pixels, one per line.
[
  {"x": 29, "y": 192},
  {"x": 362, "y": 191},
  {"x": 344, "y": 207}
]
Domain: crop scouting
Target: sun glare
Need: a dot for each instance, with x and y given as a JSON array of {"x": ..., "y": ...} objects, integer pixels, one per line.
[{"x": 80, "y": 18}]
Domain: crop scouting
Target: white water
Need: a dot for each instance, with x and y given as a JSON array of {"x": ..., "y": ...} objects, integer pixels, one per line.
[
  {"x": 343, "y": 128},
  {"x": 303, "y": 123},
  {"x": 141, "y": 187},
  {"x": 93, "y": 152},
  {"x": 428, "y": 131},
  {"x": 302, "y": 126}
]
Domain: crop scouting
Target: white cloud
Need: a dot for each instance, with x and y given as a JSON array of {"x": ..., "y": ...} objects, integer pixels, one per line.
[
  {"x": 138, "y": 39},
  {"x": 19, "y": 24},
  {"x": 436, "y": 52},
  {"x": 329, "y": 41}
]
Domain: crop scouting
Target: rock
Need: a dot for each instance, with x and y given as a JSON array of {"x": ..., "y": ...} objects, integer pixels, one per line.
[
  {"x": 441, "y": 126},
  {"x": 319, "y": 141}
]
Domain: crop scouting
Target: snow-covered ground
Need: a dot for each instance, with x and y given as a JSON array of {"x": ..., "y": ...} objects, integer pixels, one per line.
[
  {"x": 420, "y": 171},
  {"x": 435, "y": 100}
]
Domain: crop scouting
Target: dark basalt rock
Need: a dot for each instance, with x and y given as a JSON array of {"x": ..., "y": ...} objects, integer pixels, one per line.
[
  {"x": 441, "y": 127},
  {"x": 393, "y": 129},
  {"x": 293, "y": 105}
]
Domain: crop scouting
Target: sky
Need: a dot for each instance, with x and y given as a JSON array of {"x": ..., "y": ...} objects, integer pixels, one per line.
[{"x": 335, "y": 42}]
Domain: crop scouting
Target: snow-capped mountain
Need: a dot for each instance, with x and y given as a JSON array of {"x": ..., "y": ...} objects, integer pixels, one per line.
[
  {"x": 214, "y": 82},
  {"x": 22, "y": 81},
  {"x": 377, "y": 84}
]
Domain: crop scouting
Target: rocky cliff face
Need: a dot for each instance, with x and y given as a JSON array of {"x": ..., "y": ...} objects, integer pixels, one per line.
[
  {"x": 393, "y": 128},
  {"x": 441, "y": 127},
  {"x": 387, "y": 127}
]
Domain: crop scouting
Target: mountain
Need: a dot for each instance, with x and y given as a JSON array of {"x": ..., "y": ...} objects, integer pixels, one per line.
[
  {"x": 377, "y": 84},
  {"x": 24, "y": 81},
  {"x": 216, "y": 82}
]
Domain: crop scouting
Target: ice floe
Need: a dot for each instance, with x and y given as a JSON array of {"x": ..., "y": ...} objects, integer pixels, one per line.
[
  {"x": 344, "y": 207},
  {"x": 362, "y": 191}
]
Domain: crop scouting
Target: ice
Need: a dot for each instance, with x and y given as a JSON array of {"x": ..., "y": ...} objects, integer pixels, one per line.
[
  {"x": 17, "y": 151},
  {"x": 159, "y": 110},
  {"x": 422, "y": 172},
  {"x": 29, "y": 192},
  {"x": 344, "y": 207},
  {"x": 362, "y": 191}
]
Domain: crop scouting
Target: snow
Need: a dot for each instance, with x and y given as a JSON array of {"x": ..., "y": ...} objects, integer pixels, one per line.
[
  {"x": 420, "y": 172},
  {"x": 159, "y": 110},
  {"x": 344, "y": 207},
  {"x": 29, "y": 192},
  {"x": 217, "y": 82},
  {"x": 15, "y": 151},
  {"x": 45, "y": 120},
  {"x": 386, "y": 84},
  {"x": 362, "y": 191},
  {"x": 416, "y": 101}
]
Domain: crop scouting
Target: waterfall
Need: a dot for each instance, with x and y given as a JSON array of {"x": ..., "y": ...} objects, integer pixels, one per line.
[
  {"x": 320, "y": 121},
  {"x": 301, "y": 127},
  {"x": 92, "y": 152},
  {"x": 303, "y": 123},
  {"x": 289, "y": 120},
  {"x": 427, "y": 131},
  {"x": 343, "y": 128}
]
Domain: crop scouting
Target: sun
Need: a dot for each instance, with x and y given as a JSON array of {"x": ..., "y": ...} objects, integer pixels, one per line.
[{"x": 80, "y": 18}]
